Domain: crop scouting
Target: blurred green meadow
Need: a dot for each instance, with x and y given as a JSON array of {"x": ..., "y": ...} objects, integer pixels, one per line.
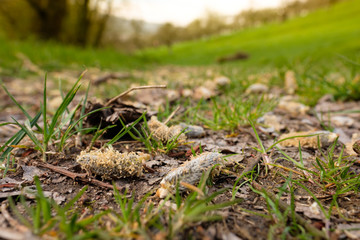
[{"x": 324, "y": 37}]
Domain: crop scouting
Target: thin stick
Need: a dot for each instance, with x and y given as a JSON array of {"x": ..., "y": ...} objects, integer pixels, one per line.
[
  {"x": 130, "y": 90},
  {"x": 13, "y": 223},
  {"x": 172, "y": 115},
  {"x": 80, "y": 176}
]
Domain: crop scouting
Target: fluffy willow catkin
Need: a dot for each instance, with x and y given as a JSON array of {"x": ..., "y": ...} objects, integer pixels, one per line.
[
  {"x": 163, "y": 133},
  {"x": 111, "y": 164},
  {"x": 189, "y": 172}
]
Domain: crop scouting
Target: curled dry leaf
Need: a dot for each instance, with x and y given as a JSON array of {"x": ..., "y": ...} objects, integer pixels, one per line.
[
  {"x": 111, "y": 164},
  {"x": 30, "y": 172},
  {"x": 313, "y": 211},
  {"x": 189, "y": 172},
  {"x": 326, "y": 139}
]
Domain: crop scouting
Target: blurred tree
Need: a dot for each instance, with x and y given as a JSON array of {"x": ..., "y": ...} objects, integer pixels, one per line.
[
  {"x": 213, "y": 23},
  {"x": 11, "y": 24},
  {"x": 83, "y": 22},
  {"x": 167, "y": 34},
  {"x": 102, "y": 22},
  {"x": 80, "y": 22},
  {"x": 50, "y": 16},
  {"x": 193, "y": 30},
  {"x": 136, "y": 37}
]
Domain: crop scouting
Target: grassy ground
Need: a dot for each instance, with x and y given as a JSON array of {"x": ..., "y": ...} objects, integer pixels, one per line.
[{"x": 323, "y": 51}]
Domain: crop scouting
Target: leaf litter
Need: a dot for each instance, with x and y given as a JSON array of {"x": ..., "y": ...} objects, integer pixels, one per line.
[{"x": 156, "y": 170}]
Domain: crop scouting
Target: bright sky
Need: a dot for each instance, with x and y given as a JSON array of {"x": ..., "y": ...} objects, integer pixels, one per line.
[{"x": 182, "y": 12}]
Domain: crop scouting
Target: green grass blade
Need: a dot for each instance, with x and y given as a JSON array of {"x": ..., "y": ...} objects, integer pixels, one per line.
[
  {"x": 14, "y": 140},
  {"x": 73, "y": 200},
  {"x": 28, "y": 131},
  {"x": 62, "y": 108},
  {"x": 125, "y": 130},
  {"x": 17, "y": 104}
]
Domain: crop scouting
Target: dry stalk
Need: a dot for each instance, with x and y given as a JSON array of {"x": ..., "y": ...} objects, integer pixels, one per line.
[
  {"x": 130, "y": 90},
  {"x": 172, "y": 115}
]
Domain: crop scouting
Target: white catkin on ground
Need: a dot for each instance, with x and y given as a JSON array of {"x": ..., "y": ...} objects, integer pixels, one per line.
[
  {"x": 111, "y": 164},
  {"x": 163, "y": 133},
  {"x": 189, "y": 172}
]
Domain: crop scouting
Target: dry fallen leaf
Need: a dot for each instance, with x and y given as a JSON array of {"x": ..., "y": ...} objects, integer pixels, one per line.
[
  {"x": 311, "y": 211},
  {"x": 326, "y": 138},
  {"x": 352, "y": 230}
]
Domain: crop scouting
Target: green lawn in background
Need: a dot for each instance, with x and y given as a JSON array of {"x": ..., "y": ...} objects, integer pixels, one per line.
[{"x": 321, "y": 35}]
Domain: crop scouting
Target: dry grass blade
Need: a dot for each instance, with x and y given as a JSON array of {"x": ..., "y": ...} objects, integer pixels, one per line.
[
  {"x": 130, "y": 90},
  {"x": 172, "y": 115},
  {"x": 192, "y": 187}
]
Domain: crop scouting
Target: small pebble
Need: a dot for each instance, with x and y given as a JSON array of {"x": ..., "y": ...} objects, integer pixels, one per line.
[
  {"x": 356, "y": 146},
  {"x": 222, "y": 81},
  {"x": 293, "y": 108},
  {"x": 257, "y": 88},
  {"x": 192, "y": 131}
]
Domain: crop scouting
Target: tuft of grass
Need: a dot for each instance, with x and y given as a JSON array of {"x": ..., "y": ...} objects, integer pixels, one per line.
[
  {"x": 60, "y": 127},
  {"x": 284, "y": 223},
  {"x": 144, "y": 135},
  {"x": 196, "y": 207},
  {"x": 235, "y": 112},
  {"x": 46, "y": 218}
]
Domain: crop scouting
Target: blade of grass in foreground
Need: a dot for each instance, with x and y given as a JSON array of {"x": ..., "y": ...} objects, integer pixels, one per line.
[
  {"x": 17, "y": 104},
  {"x": 14, "y": 140}
]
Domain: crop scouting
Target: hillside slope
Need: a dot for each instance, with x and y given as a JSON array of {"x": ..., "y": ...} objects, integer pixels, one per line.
[{"x": 322, "y": 34}]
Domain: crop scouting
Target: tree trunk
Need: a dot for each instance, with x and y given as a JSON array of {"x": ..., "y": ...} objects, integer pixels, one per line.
[
  {"x": 51, "y": 14},
  {"x": 83, "y": 23}
]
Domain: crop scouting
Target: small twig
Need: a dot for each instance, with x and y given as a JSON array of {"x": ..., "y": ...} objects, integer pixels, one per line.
[
  {"x": 252, "y": 164},
  {"x": 287, "y": 169},
  {"x": 80, "y": 176},
  {"x": 284, "y": 206},
  {"x": 8, "y": 185},
  {"x": 130, "y": 90},
  {"x": 172, "y": 115},
  {"x": 11, "y": 234},
  {"x": 62, "y": 171},
  {"x": 246, "y": 170},
  {"x": 13, "y": 223}
]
